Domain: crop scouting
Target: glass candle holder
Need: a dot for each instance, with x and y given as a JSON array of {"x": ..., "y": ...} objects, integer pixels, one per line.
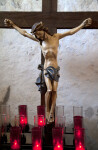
[
  {"x": 78, "y": 117},
  {"x": 23, "y": 120},
  {"x": 15, "y": 138},
  {"x": 78, "y": 121},
  {"x": 0, "y": 136},
  {"x": 57, "y": 134},
  {"x": 36, "y": 138},
  {"x": 60, "y": 121},
  {"x": 79, "y": 135},
  {"x": 4, "y": 123},
  {"x": 77, "y": 111},
  {"x": 59, "y": 110},
  {"x": 41, "y": 111},
  {"x": 5, "y": 111},
  {"x": 16, "y": 121},
  {"x": 38, "y": 121}
]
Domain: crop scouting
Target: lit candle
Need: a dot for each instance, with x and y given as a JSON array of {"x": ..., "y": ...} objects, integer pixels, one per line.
[
  {"x": 37, "y": 146},
  {"x": 41, "y": 111},
  {"x": 15, "y": 138},
  {"x": 23, "y": 114},
  {"x": 58, "y": 146},
  {"x": 80, "y": 147},
  {"x": 15, "y": 145},
  {"x": 23, "y": 120},
  {"x": 57, "y": 138},
  {"x": 79, "y": 139},
  {"x": 38, "y": 121},
  {"x": 78, "y": 133},
  {"x": 36, "y": 138},
  {"x": 78, "y": 122}
]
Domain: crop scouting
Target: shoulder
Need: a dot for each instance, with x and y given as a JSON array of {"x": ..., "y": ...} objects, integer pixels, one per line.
[{"x": 56, "y": 35}]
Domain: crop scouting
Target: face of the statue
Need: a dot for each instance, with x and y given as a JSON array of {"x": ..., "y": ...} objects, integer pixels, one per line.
[{"x": 40, "y": 35}]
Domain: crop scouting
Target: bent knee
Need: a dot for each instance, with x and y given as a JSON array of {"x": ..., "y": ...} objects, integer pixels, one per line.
[
  {"x": 54, "y": 89},
  {"x": 49, "y": 89}
]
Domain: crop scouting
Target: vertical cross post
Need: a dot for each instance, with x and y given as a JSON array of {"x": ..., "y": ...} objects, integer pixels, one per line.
[{"x": 48, "y": 6}]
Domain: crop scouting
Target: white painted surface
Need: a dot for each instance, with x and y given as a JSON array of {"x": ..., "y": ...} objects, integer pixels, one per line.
[{"x": 77, "y": 5}]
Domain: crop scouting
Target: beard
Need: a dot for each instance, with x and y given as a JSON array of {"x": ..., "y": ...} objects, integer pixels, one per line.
[{"x": 40, "y": 39}]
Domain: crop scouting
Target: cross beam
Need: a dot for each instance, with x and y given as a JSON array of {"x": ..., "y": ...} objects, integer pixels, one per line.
[{"x": 54, "y": 19}]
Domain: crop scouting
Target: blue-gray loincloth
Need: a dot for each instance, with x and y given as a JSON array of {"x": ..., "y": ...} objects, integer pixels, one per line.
[{"x": 52, "y": 73}]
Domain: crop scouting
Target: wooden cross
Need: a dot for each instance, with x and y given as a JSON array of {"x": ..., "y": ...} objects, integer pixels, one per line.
[{"x": 51, "y": 18}]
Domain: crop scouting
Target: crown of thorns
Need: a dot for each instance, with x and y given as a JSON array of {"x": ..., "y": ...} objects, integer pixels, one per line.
[{"x": 39, "y": 27}]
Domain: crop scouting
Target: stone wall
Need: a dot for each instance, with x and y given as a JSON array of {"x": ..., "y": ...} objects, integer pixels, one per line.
[{"x": 78, "y": 60}]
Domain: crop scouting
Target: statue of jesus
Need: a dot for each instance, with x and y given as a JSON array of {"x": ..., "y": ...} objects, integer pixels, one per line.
[{"x": 49, "y": 44}]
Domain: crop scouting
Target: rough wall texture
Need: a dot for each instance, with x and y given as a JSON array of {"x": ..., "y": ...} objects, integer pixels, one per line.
[
  {"x": 78, "y": 59},
  {"x": 20, "y": 5},
  {"x": 78, "y": 5}
]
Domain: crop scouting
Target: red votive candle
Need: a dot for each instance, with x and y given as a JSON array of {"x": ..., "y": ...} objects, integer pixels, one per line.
[
  {"x": 23, "y": 120},
  {"x": 78, "y": 122},
  {"x": 15, "y": 138},
  {"x": 79, "y": 139},
  {"x": 78, "y": 117},
  {"x": 39, "y": 121},
  {"x": 41, "y": 111},
  {"x": 57, "y": 134},
  {"x": 36, "y": 138},
  {"x": 80, "y": 147}
]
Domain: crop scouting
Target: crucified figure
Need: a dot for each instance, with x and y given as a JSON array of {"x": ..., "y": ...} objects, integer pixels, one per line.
[{"x": 49, "y": 45}]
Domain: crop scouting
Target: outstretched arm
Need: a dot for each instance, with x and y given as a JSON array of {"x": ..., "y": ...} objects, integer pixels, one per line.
[
  {"x": 9, "y": 23},
  {"x": 85, "y": 23}
]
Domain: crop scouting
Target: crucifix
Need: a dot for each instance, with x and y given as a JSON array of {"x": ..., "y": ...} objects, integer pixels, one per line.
[{"x": 53, "y": 20}]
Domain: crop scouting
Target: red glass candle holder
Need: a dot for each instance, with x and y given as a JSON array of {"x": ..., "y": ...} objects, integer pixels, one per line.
[
  {"x": 41, "y": 111},
  {"x": 57, "y": 134},
  {"x": 78, "y": 117},
  {"x": 78, "y": 122},
  {"x": 36, "y": 138},
  {"x": 38, "y": 121},
  {"x": 23, "y": 120},
  {"x": 15, "y": 138},
  {"x": 79, "y": 139}
]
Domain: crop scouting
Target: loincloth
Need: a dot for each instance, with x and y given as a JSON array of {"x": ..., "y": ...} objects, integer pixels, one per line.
[{"x": 52, "y": 73}]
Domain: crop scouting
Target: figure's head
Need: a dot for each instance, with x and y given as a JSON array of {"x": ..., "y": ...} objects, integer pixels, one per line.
[{"x": 39, "y": 30}]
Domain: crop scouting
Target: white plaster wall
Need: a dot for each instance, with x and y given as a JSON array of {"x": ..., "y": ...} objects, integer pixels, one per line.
[
  {"x": 78, "y": 86},
  {"x": 77, "y": 5},
  {"x": 19, "y": 58},
  {"x": 77, "y": 57},
  {"x": 20, "y": 5}
]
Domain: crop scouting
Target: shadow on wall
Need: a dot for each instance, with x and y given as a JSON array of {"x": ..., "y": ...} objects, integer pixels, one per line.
[{"x": 5, "y": 97}]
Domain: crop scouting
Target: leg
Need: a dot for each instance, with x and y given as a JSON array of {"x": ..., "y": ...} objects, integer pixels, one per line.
[
  {"x": 54, "y": 96},
  {"x": 47, "y": 96}
]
